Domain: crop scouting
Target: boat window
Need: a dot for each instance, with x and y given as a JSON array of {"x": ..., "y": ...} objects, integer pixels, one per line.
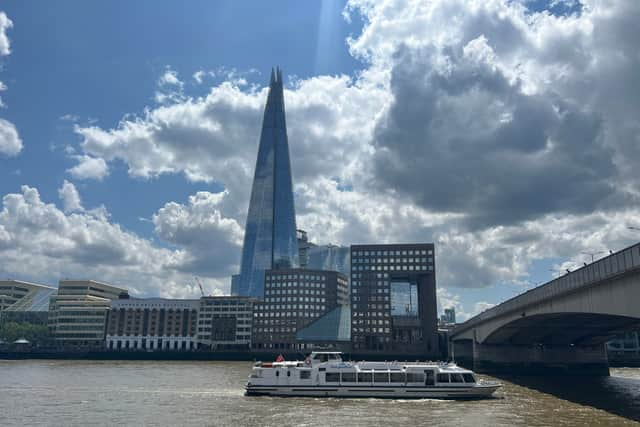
[
  {"x": 397, "y": 377},
  {"x": 332, "y": 377},
  {"x": 469, "y": 378},
  {"x": 415, "y": 377},
  {"x": 277, "y": 373},
  {"x": 288, "y": 373},
  {"x": 443, "y": 378},
  {"x": 364, "y": 377},
  {"x": 380, "y": 377},
  {"x": 456, "y": 378},
  {"x": 348, "y": 377},
  {"x": 305, "y": 375}
]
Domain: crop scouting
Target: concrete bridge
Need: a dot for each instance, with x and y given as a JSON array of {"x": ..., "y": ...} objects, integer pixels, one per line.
[{"x": 560, "y": 326}]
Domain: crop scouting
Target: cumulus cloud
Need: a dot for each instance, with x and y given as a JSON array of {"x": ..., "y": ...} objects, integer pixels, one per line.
[
  {"x": 39, "y": 241},
  {"x": 504, "y": 135},
  {"x": 5, "y": 24},
  {"x": 70, "y": 197},
  {"x": 213, "y": 242},
  {"x": 10, "y": 142},
  {"x": 89, "y": 168}
]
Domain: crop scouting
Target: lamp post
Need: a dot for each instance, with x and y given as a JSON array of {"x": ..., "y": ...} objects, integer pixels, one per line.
[{"x": 593, "y": 254}]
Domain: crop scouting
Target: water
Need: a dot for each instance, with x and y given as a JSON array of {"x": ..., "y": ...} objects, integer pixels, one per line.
[{"x": 81, "y": 393}]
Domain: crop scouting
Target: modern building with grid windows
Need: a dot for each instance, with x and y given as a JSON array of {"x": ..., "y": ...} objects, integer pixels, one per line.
[
  {"x": 293, "y": 299},
  {"x": 393, "y": 299}
]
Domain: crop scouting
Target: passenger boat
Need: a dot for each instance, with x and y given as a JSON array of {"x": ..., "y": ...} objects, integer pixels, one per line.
[{"x": 325, "y": 374}]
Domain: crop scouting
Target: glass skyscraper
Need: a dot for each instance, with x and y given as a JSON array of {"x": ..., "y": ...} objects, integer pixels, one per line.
[{"x": 270, "y": 234}]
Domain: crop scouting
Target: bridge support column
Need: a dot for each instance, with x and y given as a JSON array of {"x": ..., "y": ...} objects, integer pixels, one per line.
[{"x": 540, "y": 360}]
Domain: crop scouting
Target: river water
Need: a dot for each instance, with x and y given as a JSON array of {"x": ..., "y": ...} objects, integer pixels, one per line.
[{"x": 82, "y": 393}]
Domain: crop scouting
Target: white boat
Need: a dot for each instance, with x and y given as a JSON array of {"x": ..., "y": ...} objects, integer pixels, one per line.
[{"x": 325, "y": 374}]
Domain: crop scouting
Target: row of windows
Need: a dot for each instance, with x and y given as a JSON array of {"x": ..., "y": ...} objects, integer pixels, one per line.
[
  {"x": 424, "y": 260},
  {"x": 294, "y": 292},
  {"x": 371, "y": 322},
  {"x": 275, "y": 310},
  {"x": 369, "y": 313},
  {"x": 396, "y": 267},
  {"x": 289, "y": 314},
  {"x": 389, "y": 252},
  {"x": 369, "y": 307},
  {"x": 281, "y": 277},
  {"x": 295, "y": 299}
]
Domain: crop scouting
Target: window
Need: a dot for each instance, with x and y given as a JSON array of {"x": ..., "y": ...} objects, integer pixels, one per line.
[
  {"x": 443, "y": 378},
  {"x": 469, "y": 378},
  {"x": 348, "y": 377},
  {"x": 456, "y": 378},
  {"x": 332, "y": 377},
  {"x": 305, "y": 375},
  {"x": 397, "y": 377},
  {"x": 364, "y": 377},
  {"x": 381, "y": 377},
  {"x": 277, "y": 373},
  {"x": 415, "y": 377}
]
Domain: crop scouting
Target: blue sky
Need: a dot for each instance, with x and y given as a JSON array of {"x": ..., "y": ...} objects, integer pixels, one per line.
[
  {"x": 99, "y": 61},
  {"x": 505, "y": 132}
]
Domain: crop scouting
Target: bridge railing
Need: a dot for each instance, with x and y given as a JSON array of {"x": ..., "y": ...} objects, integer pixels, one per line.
[{"x": 615, "y": 264}]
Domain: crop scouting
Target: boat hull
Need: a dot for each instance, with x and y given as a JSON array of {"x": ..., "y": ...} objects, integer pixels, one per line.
[{"x": 475, "y": 392}]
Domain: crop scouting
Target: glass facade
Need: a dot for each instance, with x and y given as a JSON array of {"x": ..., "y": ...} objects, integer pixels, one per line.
[
  {"x": 270, "y": 233},
  {"x": 329, "y": 257},
  {"x": 404, "y": 298}
]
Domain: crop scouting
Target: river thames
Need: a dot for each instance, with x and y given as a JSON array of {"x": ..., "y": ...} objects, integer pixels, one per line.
[{"x": 80, "y": 393}]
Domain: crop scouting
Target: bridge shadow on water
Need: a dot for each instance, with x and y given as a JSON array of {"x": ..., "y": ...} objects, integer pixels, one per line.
[{"x": 614, "y": 394}]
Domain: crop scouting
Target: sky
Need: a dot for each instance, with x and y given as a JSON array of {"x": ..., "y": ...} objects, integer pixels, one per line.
[{"x": 506, "y": 132}]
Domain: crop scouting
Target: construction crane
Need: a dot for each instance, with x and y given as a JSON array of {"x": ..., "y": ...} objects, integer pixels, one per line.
[{"x": 199, "y": 285}]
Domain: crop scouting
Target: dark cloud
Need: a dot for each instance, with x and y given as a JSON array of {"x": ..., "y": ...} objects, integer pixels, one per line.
[{"x": 464, "y": 138}]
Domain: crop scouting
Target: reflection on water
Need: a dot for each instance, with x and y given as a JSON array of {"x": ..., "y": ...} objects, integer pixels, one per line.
[
  {"x": 618, "y": 394},
  {"x": 211, "y": 393}
]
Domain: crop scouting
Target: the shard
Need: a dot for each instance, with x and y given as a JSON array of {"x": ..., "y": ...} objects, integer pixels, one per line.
[{"x": 270, "y": 234}]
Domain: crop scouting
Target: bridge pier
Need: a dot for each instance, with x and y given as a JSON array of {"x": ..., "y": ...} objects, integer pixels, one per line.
[{"x": 532, "y": 360}]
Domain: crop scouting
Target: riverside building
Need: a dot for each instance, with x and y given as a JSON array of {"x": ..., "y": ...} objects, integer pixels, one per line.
[
  {"x": 152, "y": 324},
  {"x": 294, "y": 298},
  {"x": 12, "y": 291},
  {"x": 225, "y": 322},
  {"x": 78, "y": 312},
  {"x": 393, "y": 299}
]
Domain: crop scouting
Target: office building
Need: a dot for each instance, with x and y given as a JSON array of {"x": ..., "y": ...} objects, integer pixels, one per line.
[
  {"x": 32, "y": 296},
  {"x": 293, "y": 299},
  {"x": 224, "y": 323},
  {"x": 329, "y": 257},
  {"x": 449, "y": 316},
  {"x": 393, "y": 299},
  {"x": 157, "y": 324},
  {"x": 78, "y": 312},
  {"x": 270, "y": 240},
  {"x": 303, "y": 248}
]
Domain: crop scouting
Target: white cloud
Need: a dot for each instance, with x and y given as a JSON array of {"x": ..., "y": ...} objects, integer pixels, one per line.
[
  {"x": 39, "y": 241},
  {"x": 10, "y": 142},
  {"x": 212, "y": 242},
  {"x": 70, "y": 197},
  {"x": 5, "y": 24},
  {"x": 89, "y": 168}
]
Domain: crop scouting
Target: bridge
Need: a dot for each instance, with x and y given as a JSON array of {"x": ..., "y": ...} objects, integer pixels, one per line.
[{"x": 560, "y": 326}]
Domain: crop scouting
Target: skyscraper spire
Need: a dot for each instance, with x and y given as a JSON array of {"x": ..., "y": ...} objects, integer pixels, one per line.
[{"x": 270, "y": 232}]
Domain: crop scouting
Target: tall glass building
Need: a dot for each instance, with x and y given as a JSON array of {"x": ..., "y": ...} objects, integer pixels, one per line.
[{"x": 270, "y": 234}]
